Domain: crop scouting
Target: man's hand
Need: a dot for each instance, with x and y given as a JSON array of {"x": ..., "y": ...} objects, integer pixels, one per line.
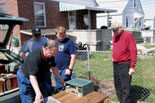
[
  {"x": 62, "y": 82},
  {"x": 68, "y": 72},
  {"x": 131, "y": 71},
  {"x": 38, "y": 98}
]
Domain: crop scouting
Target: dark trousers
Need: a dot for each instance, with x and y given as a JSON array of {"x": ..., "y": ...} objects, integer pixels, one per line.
[{"x": 122, "y": 81}]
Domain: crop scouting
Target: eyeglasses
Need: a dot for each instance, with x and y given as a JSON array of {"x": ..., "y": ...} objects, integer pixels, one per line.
[
  {"x": 53, "y": 51},
  {"x": 115, "y": 28}
]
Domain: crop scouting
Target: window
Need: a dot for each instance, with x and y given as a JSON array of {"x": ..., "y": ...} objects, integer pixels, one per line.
[
  {"x": 3, "y": 10},
  {"x": 140, "y": 23},
  {"x": 2, "y": 7},
  {"x": 135, "y": 3},
  {"x": 72, "y": 19},
  {"x": 127, "y": 22},
  {"x": 39, "y": 12},
  {"x": 86, "y": 21},
  {"x": 3, "y": 31}
]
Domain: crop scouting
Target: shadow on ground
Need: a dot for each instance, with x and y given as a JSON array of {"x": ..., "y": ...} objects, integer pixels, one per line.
[{"x": 139, "y": 93}]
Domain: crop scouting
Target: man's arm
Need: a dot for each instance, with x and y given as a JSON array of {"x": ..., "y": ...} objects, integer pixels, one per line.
[
  {"x": 22, "y": 54},
  {"x": 72, "y": 62},
  {"x": 55, "y": 71},
  {"x": 24, "y": 49},
  {"x": 36, "y": 88},
  {"x": 133, "y": 54}
]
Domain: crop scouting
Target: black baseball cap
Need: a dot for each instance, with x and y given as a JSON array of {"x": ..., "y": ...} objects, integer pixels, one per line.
[{"x": 36, "y": 31}]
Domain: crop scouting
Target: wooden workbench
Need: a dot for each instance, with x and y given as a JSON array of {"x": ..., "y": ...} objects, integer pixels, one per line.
[{"x": 93, "y": 97}]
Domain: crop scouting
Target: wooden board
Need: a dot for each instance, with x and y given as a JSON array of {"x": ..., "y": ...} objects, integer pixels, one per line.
[{"x": 93, "y": 97}]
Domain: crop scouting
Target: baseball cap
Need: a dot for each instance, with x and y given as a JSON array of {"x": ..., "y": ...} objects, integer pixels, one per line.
[
  {"x": 36, "y": 31},
  {"x": 115, "y": 25}
]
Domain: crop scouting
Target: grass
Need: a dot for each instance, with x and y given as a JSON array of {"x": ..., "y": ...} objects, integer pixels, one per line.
[
  {"x": 149, "y": 46},
  {"x": 143, "y": 82}
]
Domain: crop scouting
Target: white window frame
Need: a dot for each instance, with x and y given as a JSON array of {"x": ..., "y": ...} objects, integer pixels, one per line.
[
  {"x": 134, "y": 3},
  {"x": 3, "y": 5},
  {"x": 43, "y": 4},
  {"x": 72, "y": 17}
]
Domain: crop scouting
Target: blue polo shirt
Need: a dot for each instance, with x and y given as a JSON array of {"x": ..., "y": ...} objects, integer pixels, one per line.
[
  {"x": 32, "y": 44},
  {"x": 63, "y": 56}
]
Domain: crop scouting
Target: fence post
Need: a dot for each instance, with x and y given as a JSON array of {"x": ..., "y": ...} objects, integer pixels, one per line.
[{"x": 88, "y": 64}]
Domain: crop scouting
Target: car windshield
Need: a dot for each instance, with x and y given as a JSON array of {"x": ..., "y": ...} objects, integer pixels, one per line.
[{"x": 3, "y": 30}]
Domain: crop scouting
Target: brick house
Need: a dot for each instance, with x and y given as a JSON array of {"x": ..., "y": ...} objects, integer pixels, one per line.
[{"x": 47, "y": 15}]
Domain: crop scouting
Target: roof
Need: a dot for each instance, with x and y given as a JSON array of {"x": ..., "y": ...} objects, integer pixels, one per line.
[
  {"x": 149, "y": 10},
  {"x": 91, "y": 3},
  {"x": 73, "y": 7},
  {"x": 9, "y": 19},
  {"x": 118, "y": 5}
]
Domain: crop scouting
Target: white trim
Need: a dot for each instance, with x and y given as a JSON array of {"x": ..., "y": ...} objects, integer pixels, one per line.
[
  {"x": 92, "y": 3},
  {"x": 43, "y": 4},
  {"x": 25, "y": 32},
  {"x": 72, "y": 7}
]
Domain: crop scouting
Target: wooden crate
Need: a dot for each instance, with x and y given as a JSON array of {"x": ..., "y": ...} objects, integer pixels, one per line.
[
  {"x": 8, "y": 82},
  {"x": 79, "y": 86}
]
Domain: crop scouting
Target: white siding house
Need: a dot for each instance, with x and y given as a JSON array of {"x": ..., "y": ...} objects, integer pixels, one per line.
[
  {"x": 129, "y": 13},
  {"x": 149, "y": 19},
  {"x": 154, "y": 23}
]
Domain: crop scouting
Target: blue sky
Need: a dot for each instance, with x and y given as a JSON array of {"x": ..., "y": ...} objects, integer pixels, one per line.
[{"x": 147, "y": 1}]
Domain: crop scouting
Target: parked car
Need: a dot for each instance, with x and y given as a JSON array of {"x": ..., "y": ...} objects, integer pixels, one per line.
[{"x": 9, "y": 61}]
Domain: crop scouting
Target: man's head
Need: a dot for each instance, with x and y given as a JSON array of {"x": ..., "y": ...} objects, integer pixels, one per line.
[
  {"x": 60, "y": 33},
  {"x": 50, "y": 49},
  {"x": 36, "y": 32},
  {"x": 117, "y": 28}
]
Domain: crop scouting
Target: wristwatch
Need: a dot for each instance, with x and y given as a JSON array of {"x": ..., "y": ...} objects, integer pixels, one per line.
[{"x": 70, "y": 69}]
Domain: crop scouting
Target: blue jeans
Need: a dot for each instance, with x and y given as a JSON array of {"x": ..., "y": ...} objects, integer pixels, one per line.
[
  {"x": 64, "y": 77},
  {"x": 26, "y": 90}
]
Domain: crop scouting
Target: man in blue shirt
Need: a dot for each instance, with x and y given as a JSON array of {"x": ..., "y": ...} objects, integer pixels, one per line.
[
  {"x": 33, "y": 43},
  {"x": 65, "y": 57}
]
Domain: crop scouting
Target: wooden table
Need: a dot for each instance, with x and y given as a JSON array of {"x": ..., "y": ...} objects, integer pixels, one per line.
[{"x": 93, "y": 97}]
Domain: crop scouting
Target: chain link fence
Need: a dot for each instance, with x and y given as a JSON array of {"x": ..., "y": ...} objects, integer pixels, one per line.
[{"x": 98, "y": 67}]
